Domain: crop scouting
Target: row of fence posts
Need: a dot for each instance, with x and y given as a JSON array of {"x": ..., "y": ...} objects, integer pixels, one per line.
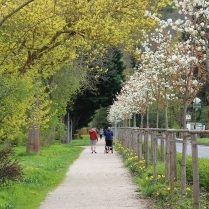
[{"x": 139, "y": 140}]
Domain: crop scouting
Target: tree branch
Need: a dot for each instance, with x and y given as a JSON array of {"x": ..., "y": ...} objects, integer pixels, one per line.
[
  {"x": 15, "y": 11},
  {"x": 39, "y": 53}
]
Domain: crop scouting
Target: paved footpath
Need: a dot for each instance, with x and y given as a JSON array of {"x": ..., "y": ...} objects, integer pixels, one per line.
[{"x": 96, "y": 181}]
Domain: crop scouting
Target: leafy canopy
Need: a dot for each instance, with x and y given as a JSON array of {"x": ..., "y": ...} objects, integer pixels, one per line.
[{"x": 40, "y": 37}]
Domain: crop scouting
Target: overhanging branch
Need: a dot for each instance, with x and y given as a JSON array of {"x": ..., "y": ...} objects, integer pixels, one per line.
[{"x": 14, "y": 11}]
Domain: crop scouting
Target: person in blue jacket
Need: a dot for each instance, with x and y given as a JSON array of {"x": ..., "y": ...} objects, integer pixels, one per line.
[{"x": 108, "y": 139}]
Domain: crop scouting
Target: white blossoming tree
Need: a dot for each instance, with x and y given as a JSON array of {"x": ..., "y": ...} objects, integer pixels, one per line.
[{"x": 173, "y": 68}]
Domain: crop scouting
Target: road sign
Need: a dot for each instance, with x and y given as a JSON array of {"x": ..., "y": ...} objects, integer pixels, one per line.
[
  {"x": 188, "y": 117},
  {"x": 197, "y": 105}
]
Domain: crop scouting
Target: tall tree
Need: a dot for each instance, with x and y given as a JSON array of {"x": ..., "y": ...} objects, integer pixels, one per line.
[
  {"x": 107, "y": 86},
  {"x": 39, "y": 37},
  {"x": 100, "y": 119}
]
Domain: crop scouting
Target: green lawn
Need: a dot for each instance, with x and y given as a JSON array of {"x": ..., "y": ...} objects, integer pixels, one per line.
[
  {"x": 203, "y": 140},
  {"x": 42, "y": 173}
]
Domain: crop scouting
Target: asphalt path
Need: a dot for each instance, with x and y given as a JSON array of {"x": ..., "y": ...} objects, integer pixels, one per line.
[
  {"x": 96, "y": 181},
  {"x": 203, "y": 151}
]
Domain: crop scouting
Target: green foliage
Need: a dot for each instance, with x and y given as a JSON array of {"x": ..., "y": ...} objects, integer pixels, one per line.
[
  {"x": 107, "y": 86},
  {"x": 173, "y": 115},
  {"x": 152, "y": 116},
  {"x": 82, "y": 142},
  {"x": 176, "y": 125},
  {"x": 63, "y": 83},
  {"x": 203, "y": 164},
  {"x": 10, "y": 169},
  {"x": 100, "y": 119},
  {"x": 16, "y": 99},
  {"x": 160, "y": 190},
  {"x": 56, "y": 131},
  {"x": 32, "y": 52},
  {"x": 136, "y": 166},
  {"x": 169, "y": 11},
  {"x": 205, "y": 117},
  {"x": 204, "y": 96},
  {"x": 203, "y": 140},
  {"x": 42, "y": 173}
]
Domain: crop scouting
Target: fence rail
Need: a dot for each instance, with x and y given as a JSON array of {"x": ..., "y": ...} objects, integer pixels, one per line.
[{"x": 139, "y": 140}]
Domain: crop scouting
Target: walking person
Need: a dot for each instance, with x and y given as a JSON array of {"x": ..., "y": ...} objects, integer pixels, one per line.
[
  {"x": 93, "y": 139},
  {"x": 101, "y": 133},
  {"x": 108, "y": 139}
]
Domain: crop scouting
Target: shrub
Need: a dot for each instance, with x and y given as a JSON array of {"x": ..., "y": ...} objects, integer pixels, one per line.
[
  {"x": 55, "y": 131},
  {"x": 203, "y": 165},
  {"x": 10, "y": 170},
  {"x": 160, "y": 190}
]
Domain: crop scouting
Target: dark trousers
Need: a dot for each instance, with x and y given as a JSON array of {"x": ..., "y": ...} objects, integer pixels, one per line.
[{"x": 108, "y": 143}]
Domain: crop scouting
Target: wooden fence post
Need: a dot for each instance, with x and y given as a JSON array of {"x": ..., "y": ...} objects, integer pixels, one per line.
[
  {"x": 183, "y": 165},
  {"x": 196, "y": 190},
  {"x": 132, "y": 141},
  {"x": 174, "y": 155},
  {"x": 127, "y": 139},
  {"x": 162, "y": 147},
  {"x": 172, "y": 168},
  {"x": 153, "y": 135},
  {"x": 135, "y": 142},
  {"x": 124, "y": 138},
  {"x": 146, "y": 149},
  {"x": 140, "y": 145},
  {"x": 167, "y": 163},
  {"x": 154, "y": 155},
  {"x": 170, "y": 155}
]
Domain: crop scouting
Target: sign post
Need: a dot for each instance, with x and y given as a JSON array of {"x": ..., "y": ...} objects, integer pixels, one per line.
[{"x": 196, "y": 105}]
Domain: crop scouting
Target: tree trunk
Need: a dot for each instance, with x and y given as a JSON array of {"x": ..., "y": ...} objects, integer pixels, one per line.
[
  {"x": 166, "y": 114},
  {"x": 34, "y": 129},
  {"x": 142, "y": 119},
  {"x": 184, "y": 115},
  {"x": 33, "y": 140},
  {"x": 134, "y": 125},
  {"x": 147, "y": 117},
  {"x": 157, "y": 118}
]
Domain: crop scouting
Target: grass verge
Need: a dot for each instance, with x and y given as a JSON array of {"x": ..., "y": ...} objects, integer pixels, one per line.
[
  {"x": 42, "y": 173},
  {"x": 159, "y": 191},
  {"x": 203, "y": 140}
]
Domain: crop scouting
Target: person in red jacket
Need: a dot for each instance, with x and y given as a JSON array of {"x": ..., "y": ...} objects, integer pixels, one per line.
[{"x": 93, "y": 139}]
